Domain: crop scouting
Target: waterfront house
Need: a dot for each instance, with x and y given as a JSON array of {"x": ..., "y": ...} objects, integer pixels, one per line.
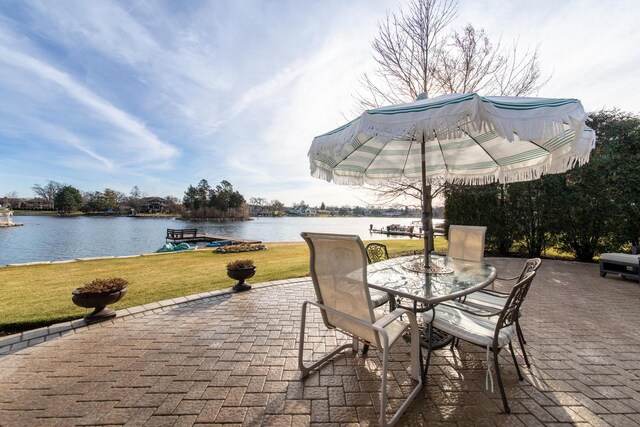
[
  {"x": 303, "y": 211},
  {"x": 37, "y": 204},
  {"x": 153, "y": 205},
  {"x": 257, "y": 210}
]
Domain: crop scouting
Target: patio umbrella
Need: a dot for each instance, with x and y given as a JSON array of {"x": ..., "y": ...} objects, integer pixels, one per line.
[{"x": 464, "y": 139}]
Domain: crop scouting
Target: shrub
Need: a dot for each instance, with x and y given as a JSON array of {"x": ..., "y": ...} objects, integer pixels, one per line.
[
  {"x": 239, "y": 248},
  {"x": 103, "y": 286},
  {"x": 240, "y": 264}
]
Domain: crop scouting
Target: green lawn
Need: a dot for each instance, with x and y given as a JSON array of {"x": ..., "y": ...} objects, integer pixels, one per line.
[{"x": 39, "y": 295}]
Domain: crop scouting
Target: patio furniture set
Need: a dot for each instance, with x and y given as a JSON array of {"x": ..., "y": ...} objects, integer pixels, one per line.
[{"x": 351, "y": 281}]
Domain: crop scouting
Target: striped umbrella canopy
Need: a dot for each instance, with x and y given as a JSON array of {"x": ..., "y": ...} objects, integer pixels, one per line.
[{"x": 463, "y": 139}]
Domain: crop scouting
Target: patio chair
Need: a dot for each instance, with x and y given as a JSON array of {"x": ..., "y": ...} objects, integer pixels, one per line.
[
  {"x": 339, "y": 272},
  {"x": 466, "y": 242},
  {"x": 493, "y": 331},
  {"x": 491, "y": 300},
  {"x": 376, "y": 252}
]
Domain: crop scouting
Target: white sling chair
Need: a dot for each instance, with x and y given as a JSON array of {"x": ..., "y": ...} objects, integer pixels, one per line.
[
  {"x": 466, "y": 242},
  {"x": 339, "y": 272}
]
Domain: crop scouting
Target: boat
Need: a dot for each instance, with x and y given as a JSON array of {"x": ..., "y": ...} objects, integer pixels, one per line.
[
  {"x": 413, "y": 230},
  {"x": 220, "y": 243},
  {"x": 398, "y": 230},
  {"x": 170, "y": 247}
]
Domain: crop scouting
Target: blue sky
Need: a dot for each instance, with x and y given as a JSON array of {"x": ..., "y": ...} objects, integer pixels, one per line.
[{"x": 161, "y": 94}]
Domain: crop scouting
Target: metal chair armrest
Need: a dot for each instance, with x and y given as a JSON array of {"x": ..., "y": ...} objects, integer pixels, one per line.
[
  {"x": 494, "y": 293},
  {"x": 390, "y": 317},
  {"x": 377, "y": 326},
  {"x": 507, "y": 278}
]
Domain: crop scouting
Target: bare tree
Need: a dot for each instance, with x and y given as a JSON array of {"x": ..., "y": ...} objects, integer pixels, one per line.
[
  {"x": 416, "y": 53},
  {"x": 471, "y": 63},
  {"x": 389, "y": 193},
  {"x": 406, "y": 52},
  {"x": 48, "y": 191},
  {"x": 258, "y": 201},
  {"x": 520, "y": 75}
]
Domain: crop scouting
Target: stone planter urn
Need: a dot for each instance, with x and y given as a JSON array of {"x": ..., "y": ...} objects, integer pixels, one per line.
[
  {"x": 241, "y": 270},
  {"x": 97, "y": 295}
]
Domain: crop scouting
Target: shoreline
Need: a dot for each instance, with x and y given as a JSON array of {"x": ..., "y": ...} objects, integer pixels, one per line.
[
  {"x": 67, "y": 261},
  {"x": 43, "y": 239}
]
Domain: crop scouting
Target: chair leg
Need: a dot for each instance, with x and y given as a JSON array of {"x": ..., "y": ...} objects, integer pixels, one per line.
[
  {"x": 519, "y": 330},
  {"x": 415, "y": 352},
  {"x": 305, "y": 370},
  {"x": 383, "y": 387},
  {"x": 429, "y": 350},
  {"x": 502, "y": 393},
  {"x": 522, "y": 342},
  {"x": 515, "y": 362}
]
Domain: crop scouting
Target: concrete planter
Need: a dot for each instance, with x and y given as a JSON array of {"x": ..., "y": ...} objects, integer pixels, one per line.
[
  {"x": 99, "y": 302},
  {"x": 241, "y": 274}
]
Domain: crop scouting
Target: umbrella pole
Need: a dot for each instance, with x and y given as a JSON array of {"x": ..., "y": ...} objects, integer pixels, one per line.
[{"x": 426, "y": 207}]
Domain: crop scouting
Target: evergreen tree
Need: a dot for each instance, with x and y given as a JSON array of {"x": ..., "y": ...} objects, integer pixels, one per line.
[{"x": 68, "y": 199}]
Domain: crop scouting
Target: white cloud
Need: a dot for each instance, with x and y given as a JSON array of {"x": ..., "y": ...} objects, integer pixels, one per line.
[
  {"x": 162, "y": 94},
  {"x": 140, "y": 140}
]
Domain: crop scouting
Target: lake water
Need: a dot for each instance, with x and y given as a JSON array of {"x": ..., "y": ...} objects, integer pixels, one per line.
[{"x": 52, "y": 238}]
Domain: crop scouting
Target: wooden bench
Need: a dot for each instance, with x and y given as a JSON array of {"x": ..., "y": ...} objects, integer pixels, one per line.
[
  {"x": 181, "y": 233},
  {"x": 625, "y": 265}
]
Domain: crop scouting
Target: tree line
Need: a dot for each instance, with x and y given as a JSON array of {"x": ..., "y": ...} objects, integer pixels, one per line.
[
  {"x": 586, "y": 211},
  {"x": 200, "y": 201},
  {"x": 220, "y": 202},
  {"x": 67, "y": 199}
]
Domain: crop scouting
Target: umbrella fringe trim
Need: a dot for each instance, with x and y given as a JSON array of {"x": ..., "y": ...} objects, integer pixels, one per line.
[
  {"x": 530, "y": 173},
  {"x": 472, "y": 113}
]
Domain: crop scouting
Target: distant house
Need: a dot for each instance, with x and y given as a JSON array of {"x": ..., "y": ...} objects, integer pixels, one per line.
[
  {"x": 37, "y": 204},
  {"x": 256, "y": 210},
  {"x": 392, "y": 212},
  {"x": 153, "y": 205},
  {"x": 303, "y": 211}
]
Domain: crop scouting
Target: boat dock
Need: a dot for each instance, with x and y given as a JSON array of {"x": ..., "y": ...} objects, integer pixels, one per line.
[
  {"x": 191, "y": 235},
  {"x": 409, "y": 231}
]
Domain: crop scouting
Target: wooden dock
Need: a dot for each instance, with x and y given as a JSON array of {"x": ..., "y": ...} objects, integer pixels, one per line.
[
  {"x": 407, "y": 233},
  {"x": 191, "y": 235}
]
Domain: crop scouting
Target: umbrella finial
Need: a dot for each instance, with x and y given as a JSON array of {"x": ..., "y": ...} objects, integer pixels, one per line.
[{"x": 422, "y": 96}]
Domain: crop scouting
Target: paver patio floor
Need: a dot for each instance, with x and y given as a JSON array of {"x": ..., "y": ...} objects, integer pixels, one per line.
[{"x": 232, "y": 359}]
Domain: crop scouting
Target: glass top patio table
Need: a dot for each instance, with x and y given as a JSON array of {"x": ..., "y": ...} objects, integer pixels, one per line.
[{"x": 430, "y": 289}]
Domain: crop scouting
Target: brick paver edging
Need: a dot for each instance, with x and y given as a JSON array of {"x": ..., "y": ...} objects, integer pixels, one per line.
[{"x": 15, "y": 342}]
